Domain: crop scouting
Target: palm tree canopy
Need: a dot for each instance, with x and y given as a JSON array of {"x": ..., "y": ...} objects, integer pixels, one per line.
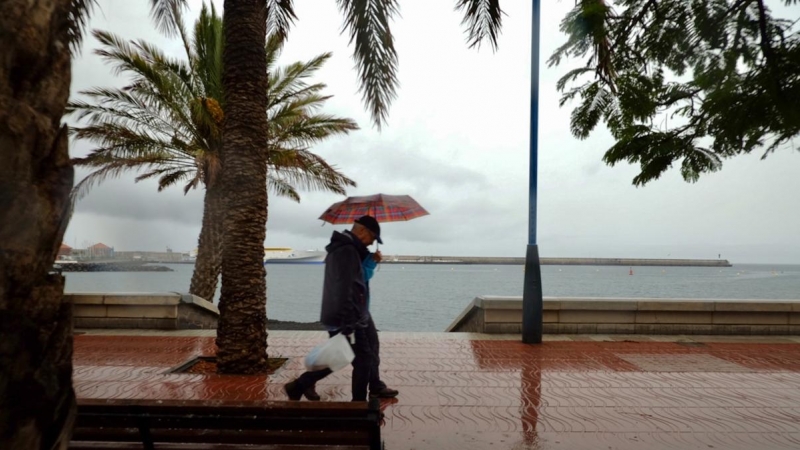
[
  {"x": 167, "y": 123},
  {"x": 367, "y": 23}
]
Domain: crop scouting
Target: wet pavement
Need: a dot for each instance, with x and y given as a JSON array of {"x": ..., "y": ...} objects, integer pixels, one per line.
[{"x": 470, "y": 391}]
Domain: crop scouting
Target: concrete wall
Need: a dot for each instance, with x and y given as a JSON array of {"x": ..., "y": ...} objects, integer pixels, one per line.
[
  {"x": 635, "y": 316},
  {"x": 165, "y": 311}
]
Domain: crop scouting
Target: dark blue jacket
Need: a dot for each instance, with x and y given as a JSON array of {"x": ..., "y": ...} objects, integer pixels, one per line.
[{"x": 344, "y": 290}]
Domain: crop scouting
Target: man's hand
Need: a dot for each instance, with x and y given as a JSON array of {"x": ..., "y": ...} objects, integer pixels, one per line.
[
  {"x": 377, "y": 256},
  {"x": 347, "y": 330}
]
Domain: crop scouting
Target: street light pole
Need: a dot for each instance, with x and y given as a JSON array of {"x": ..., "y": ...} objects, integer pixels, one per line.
[{"x": 532, "y": 302}]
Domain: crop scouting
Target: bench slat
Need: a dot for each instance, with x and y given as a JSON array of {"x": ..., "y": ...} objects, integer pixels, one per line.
[
  {"x": 223, "y": 404},
  {"x": 155, "y": 421},
  {"x": 83, "y": 445},
  {"x": 224, "y": 436},
  {"x": 134, "y": 424}
]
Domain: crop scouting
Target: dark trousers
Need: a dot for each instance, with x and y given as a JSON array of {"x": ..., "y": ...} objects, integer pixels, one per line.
[
  {"x": 362, "y": 367},
  {"x": 375, "y": 383}
]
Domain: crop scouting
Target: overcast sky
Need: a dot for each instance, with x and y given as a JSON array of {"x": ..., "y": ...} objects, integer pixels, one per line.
[{"x": 457, "y": 141}]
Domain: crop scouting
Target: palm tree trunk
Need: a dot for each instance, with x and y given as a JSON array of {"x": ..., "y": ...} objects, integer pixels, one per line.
[
  {"x": 242, "y": 329},
  {"x": 37, "y": 402},
  {"x": 208, "y": 265}
]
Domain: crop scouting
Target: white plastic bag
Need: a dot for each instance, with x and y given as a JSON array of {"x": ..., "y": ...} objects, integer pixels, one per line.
[{"x": 334, "y": 354}]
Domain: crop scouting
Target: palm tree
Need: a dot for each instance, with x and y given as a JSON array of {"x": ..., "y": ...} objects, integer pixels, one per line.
[
  {"x": 36, "y": 396},
  {"x": 241, "y": 336},
  {"x": 167, "y": 124},
  {"x": 37, "y": 178}
]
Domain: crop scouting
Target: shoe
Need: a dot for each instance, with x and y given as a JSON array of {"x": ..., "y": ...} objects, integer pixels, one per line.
[
  {"x": 294, "y": 393},
  {"x": 384, "y": 393},
  {"x": 311, "y": 394},
  {"x": 292, "y": 390}
]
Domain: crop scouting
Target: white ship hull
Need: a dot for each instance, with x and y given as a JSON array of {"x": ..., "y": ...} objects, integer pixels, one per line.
[{"x": 289, "y": 256}]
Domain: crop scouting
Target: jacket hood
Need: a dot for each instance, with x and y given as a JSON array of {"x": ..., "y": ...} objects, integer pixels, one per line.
[{"x": 339, "y": 240}]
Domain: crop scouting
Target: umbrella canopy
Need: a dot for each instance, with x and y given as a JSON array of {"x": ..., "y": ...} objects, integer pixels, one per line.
[{"x": 384, "y": 208}]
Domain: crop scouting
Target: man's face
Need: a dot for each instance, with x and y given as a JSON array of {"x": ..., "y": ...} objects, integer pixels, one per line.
[{"x": 366, "y": 236}]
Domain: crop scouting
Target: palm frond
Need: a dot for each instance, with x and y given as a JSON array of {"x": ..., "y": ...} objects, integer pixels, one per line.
[
  {"x": 163, "y": 14},
  {"x": 303, "y": 131},
  {"x": 290, "y": 81},
  {"x": 208, "y": 45},
  {"x": 167, "y": 123},
  {"x": 157, "y": 59},
  {"x": 303, "y": 168},
  {"x": 169, "y": 176},
  {"x": 152, "y": 71},
  {"x": 118, "y": 116},
  {"x": 280, "y": 18},
  {"x": 120, "y": 142},
  {"x": 483, "y": 19},
  {"x": 282, "y": 188},
  {"x": 111, "y": 167},
  {"x": 273, "y": 48},
  {"x": 77, "y": 17},
  {"x": 367, "y": 23},
  {"x": 174, "y": 177},
  {"x": 301, "y": 105}
]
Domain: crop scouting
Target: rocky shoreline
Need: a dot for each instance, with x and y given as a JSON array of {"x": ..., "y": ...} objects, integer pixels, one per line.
[
  {"x": 110, "y": 267},
  {"x": 297, "y": 326}
]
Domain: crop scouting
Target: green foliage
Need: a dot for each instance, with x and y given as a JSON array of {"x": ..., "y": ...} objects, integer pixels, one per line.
[
  {"x": 167, "y": 123},
  {"x": 682, "y": 81},
  {"x": 368, "y": 24},
  {"x": 77, "y": 16},
  {"x": 483, "y": 19}
]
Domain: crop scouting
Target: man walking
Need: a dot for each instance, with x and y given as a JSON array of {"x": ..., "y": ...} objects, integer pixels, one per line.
[{"x": 344, "y": 307}]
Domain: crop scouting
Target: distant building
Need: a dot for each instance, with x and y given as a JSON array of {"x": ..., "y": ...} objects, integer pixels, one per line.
[
  {"x": 65, "y": 250},
  {"x": 101, "y": 251},
  {"x": 164, "y": 257}
]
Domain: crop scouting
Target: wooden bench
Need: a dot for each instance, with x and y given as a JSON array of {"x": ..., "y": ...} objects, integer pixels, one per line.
[{"x": 225, "y": 424}]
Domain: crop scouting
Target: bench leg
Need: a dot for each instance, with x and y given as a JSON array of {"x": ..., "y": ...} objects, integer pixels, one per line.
[
  {"x": 375, "y": 443},
  {"x": 144, "y": 432}
]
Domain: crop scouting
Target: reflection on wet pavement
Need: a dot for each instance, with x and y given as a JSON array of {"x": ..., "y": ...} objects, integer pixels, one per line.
[{"x": 470, "y": 393}]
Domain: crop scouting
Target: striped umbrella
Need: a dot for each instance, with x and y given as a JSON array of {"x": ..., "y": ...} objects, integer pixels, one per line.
[{"x": 384, "y": 208}]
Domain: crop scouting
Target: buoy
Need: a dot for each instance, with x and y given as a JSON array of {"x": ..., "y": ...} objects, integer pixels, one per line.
[{"x": 631, "y": 271}]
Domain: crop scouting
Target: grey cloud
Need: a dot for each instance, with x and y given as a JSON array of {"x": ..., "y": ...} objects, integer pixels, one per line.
[
  {"x": 457, "y": 141},
  {"x": 122, "y": 198}
]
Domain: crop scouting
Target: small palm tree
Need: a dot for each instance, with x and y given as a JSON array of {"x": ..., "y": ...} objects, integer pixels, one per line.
[{"x": 167, "y": 125}]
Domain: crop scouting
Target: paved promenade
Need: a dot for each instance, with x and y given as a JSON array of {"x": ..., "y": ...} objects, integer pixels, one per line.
[{"x": 472, "y": 391}]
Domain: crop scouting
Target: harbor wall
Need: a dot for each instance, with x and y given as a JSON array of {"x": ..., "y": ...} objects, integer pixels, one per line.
[
  {"x": 157, "y": 310},
  {"x": 405, "y": 259},
  {"x": 503, "y": 315}
]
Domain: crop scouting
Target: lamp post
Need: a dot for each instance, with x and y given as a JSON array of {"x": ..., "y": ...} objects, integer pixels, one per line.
[{"x": 532, "y": 302}]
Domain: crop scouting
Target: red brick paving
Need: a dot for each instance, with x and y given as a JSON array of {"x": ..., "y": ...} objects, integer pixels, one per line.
[{"x": 477, "y": 394}]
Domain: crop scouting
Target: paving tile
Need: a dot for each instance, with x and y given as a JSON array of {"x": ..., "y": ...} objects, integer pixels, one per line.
[{"x": 464, "y": 391}]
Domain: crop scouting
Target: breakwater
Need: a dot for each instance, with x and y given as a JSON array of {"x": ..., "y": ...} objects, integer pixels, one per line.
[
  {"x": 406, "y": 259},
  {"x": 110, "y": 267}
]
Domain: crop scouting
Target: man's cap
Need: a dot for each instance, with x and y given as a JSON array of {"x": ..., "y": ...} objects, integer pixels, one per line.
[{"x": 371, "y": 224}]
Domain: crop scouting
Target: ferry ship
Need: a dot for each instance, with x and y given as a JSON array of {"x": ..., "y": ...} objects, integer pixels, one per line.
[{"x": 285, "y": 255}]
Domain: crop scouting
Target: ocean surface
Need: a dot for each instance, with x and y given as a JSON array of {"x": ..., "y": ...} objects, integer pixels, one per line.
[{"x": 429, "y": 297}]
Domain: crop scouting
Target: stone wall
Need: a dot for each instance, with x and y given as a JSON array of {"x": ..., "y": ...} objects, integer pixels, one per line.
[
  {"x": 635, "y": 316},
  {"x": 165, "y": 311}
]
